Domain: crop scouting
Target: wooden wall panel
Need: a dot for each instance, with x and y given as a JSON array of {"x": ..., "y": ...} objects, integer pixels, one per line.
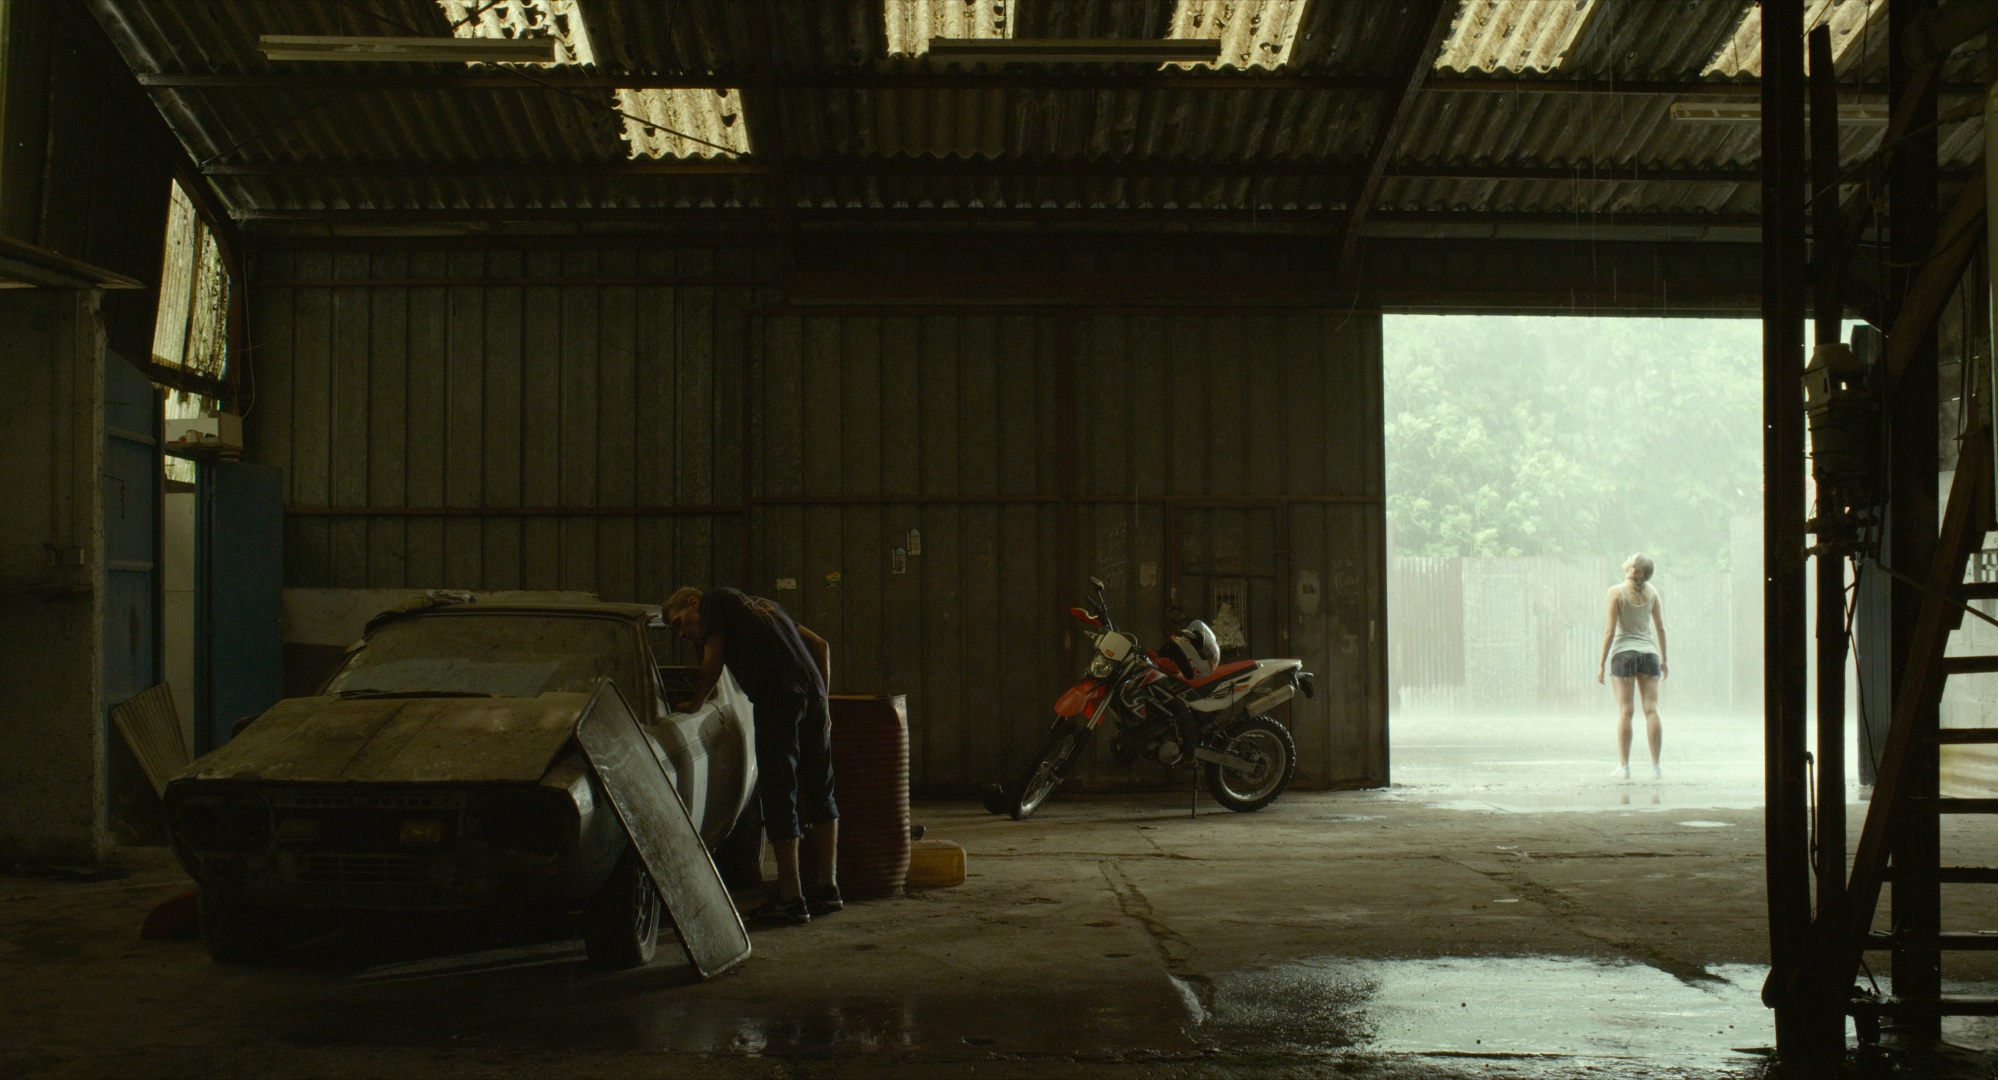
[{"x": 582, "y": 420}]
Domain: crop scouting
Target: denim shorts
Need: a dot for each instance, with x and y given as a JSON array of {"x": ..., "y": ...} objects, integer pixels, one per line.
[{"x": 1629, "y": 663}]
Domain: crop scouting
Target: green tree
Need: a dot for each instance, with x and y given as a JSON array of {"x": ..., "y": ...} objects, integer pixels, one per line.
[{"x": 1515, "y": 435}]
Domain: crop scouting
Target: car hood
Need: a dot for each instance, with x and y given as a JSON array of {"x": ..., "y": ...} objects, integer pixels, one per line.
[{"x": 397, "y": 740}]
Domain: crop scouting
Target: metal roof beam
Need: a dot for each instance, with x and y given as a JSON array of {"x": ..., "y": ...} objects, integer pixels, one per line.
[
  {"x": 981, "y": 168},
  {"x": 973, "y": 80},
  {"x": 1191, "y": 220},
  {"x": 1435, "y": 20}
]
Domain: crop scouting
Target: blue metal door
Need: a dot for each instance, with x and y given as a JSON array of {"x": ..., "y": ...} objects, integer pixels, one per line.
[
  {"x": 239, "y": 588},
  {"x": 133, "y": 483}
]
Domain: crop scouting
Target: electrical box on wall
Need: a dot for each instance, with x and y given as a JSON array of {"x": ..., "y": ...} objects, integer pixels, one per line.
[{"x": 223, "y": 431}]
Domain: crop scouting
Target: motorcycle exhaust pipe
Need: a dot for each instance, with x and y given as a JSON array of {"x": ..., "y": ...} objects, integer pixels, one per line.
[{"x": 1270, "y": 700}]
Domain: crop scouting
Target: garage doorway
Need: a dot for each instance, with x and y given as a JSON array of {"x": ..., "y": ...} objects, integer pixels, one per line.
[{"x": 1526, "y": 458}]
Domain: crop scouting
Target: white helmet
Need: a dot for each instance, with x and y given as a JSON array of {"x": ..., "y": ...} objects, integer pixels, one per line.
[{"x": 1197, "y": 644}]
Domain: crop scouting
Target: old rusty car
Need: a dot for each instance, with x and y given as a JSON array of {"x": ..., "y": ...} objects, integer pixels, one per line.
[{"x": 437, "y": 770}]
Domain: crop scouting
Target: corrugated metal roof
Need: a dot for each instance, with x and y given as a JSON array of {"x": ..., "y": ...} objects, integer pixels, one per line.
[
  {"x": 1281, "y": 144},
  {"x": 1253, "y": 33},
  {"x": 1848, "y": 19},
  {"x": 908, "y": 25},
  {"x": 657, "y": 122},
  {"x": 559, "y": 19},
  {"x": 1512, "y": 35}
]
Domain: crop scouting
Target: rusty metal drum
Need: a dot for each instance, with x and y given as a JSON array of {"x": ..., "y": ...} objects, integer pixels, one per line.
[{"x": 870, "y": 753}]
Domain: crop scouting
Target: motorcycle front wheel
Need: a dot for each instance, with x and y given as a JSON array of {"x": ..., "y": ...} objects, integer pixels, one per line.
[
  {"x": 1063, "y": 745},
  {"x": 1272, "y": 756}
]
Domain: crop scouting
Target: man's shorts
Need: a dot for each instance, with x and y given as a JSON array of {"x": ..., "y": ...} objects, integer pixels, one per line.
[{"x": 1630, "y": 663}]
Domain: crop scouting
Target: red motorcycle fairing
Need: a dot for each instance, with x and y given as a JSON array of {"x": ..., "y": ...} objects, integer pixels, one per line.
[{"x": 1082, "y": 698}]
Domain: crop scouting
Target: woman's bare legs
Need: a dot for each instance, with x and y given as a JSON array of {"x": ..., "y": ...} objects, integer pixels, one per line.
[
  {"x": 1622, "y": 687},
  {"x": 1647, "y": 692}
]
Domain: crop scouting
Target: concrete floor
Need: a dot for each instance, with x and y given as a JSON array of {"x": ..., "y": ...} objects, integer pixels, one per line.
[{"x": 1473, "y": 921}]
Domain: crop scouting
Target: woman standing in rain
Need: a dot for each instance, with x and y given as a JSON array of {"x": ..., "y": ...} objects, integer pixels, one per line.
[{"x": 1634, "y": 648}]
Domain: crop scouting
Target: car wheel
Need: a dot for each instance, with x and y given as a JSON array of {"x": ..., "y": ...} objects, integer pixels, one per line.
[
  {"x": 233, "y": 930},
  {"x": 621, "y": 924}
]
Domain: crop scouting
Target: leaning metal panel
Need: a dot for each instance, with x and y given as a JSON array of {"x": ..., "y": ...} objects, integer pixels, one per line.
[{"x": 711, "y": 930}]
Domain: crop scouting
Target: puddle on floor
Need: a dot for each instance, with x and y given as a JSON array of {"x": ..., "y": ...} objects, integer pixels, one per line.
[{"x": 1534, "y": 1007}]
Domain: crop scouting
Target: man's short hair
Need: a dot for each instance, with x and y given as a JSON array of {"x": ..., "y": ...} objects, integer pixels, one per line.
[{"x": 683, "y": 598}]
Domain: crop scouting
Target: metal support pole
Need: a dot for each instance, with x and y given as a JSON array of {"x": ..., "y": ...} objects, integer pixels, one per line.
[
  {"x": 1826, "y": 1010},
  {"x": 1828, "y": 259},
  {"x": 1911, "y": 532},
  {"x": 1784, "y": 278}
]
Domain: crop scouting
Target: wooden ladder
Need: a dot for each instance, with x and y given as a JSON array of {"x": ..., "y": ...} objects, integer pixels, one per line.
[{"x": 1842, "y": 941}]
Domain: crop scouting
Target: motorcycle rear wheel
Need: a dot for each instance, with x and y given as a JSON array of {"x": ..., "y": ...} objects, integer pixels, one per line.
[
  {"x": 1263, "y": 741},
  {"x": 1063, "y": 745}
]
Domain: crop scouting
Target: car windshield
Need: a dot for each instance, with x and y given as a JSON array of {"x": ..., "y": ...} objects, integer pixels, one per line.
[{"x": 508, "y": 655}]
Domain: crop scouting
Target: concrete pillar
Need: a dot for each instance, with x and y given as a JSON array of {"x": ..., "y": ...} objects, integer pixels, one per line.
[{"x": 52, "y": 721}]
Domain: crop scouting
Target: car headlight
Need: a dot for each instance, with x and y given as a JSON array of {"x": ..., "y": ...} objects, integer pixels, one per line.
[
  {"x": 540, "y": 820},
  {"x": 225, "y": 824},
  {"x": 1101, "y": 667}
]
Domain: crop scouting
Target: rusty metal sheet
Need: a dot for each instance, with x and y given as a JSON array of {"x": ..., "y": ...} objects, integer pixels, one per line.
[
  {"x": 393, "y": 740},
  {"x": 710, "y": 929}
]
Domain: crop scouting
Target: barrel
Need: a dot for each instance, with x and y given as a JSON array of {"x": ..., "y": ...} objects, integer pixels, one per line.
[{"x": 870, "y": 755}]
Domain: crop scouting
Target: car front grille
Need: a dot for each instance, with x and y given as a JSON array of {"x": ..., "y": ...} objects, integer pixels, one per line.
[{"x": 363, "y": 868}]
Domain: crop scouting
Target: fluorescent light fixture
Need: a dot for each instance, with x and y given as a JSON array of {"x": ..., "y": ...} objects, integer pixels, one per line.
[
  {"x": 1750, "y": 112},
  {"x": 1252, "y": 33},
  {"x": 912, "y": 24},
  {"x": 407, "y": 49},
  {"x": 1078, "y": 50}
]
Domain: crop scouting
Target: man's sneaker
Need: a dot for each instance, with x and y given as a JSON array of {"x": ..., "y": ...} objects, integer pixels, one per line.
[
  {"x": 777, "y": 911},
  {"x": 1621, "y": 772},
  {"x": 823, "y": 901}
]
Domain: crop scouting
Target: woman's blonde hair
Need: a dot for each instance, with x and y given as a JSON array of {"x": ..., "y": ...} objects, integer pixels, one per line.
[{"x": 1641, "y": 567}]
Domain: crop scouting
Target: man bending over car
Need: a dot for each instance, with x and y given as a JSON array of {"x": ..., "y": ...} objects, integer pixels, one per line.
[{"x": 785, "y": 669}]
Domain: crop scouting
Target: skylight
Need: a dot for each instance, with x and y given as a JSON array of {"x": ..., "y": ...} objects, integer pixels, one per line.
[
  {"x": 559, "y": 19},
  {"x": 684, "y": 123},
  {"x": 1512, "y": 35},
  {"x": 1742, "y": 55},
  {"x": 1253, "y": 33},
  {"x": 912, "y": 23},
  {"x": 657, "y": 123}
]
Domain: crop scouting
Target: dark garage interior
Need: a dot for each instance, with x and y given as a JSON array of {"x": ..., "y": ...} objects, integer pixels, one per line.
[{"x": 385, "y": 366}]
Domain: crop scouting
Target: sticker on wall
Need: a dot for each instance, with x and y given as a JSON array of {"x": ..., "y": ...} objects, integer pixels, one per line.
[
  {"x": 784, "y": 583},
  {"x": 832, "y": 580},
  {"x": 898, "y": 561},
  {"x": 1148, "y": 574},
  {"x": 1230, "y": 597},
  {"x": 1307, "y": 592},
  {"x": 915, "y": 541}
]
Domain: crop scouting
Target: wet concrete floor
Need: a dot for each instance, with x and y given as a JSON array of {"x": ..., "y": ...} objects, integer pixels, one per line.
[{"x": 1460, "y": 924}]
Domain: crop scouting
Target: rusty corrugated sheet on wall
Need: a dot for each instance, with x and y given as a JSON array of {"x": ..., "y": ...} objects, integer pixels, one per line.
[
  {"x": 512, "y": 390},
  {"x": 593, "y": 435},
  {"x": 1207, "y": 448}
]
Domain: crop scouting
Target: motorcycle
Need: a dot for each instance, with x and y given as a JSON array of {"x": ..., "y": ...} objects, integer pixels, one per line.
[{"x": 1180, "y": 707}]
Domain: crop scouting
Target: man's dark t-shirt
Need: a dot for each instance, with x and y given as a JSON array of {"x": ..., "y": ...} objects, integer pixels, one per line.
[{"x": 763, "y": 648}]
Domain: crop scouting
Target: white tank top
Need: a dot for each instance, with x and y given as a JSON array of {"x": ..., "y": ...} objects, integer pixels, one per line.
[{"x": 1633, "y": 624}]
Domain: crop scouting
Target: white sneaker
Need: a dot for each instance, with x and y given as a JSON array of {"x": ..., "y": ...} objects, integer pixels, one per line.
[
  {"x": 1657, "y": 773},
  {"x": 1621, "y": 772}
]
